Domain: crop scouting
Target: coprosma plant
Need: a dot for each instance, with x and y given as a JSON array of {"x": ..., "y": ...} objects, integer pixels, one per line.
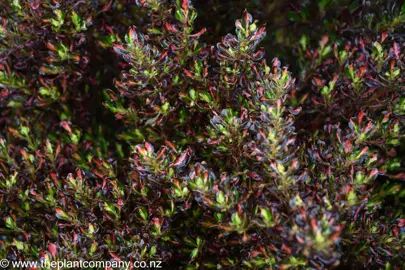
[{"x": 231, "y": 164}]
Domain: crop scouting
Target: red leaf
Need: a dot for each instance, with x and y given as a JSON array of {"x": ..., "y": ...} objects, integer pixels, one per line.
[
  {"x": 363, "y": 70},
  {"x": 247, "y": 17},
  {"x": 335, "y": 236},
  {"x": 119, "y": 49},
  {"x": 163, "y": 56},
  {"x": 66, "y": 126},
  {"x": 53, "y": 249},
  {"x": 365, "y": 149},
  {"x": 318, "y": 82},
  {"x": 133, "y": 35},
  {"x": 171, "y": 145},
  {"x": 286, "y": 248},
  {"x": 199, "y": 33},
  {"x": 384, "y": 35},
  {"x": 149, "y": 147},
  {"x": 361, "y": 41},
  {"x": 107, "y": 7},
  {"x": 360, "y": 117},
  {"x": 185, "y": 6},
  {"x": 188, "y": 73},
  {"x": 373, "y": 173},
  {"x": 115, "y": 257},
  {"x": 140, "y": 2},
  {"x": 276, "y": 63},
  {"x": 170, "y": 28},
  {"x": 260, "y": 33},
  {"x": 255, "y": 253},
  {"x": 156, "y": 222},
  {"x": 369, "y": 126},
  {"x": 182, "y": 160},
  {"x": 51, "y": 46},
  {"x": 396, "y": 50}
]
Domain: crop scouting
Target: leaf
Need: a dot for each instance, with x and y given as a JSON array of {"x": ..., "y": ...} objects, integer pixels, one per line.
[
  {"x": 10, "y": 223},
  {"x": 66, "y": 126},
  {"x": 360, "y": 117},
  {"x": 131, "y": 37},
  {"x": 171, "y": 28},
  {"x": 179, "y": 15},
  {"x": 183, "y": 159},
  {"x": 236, "y": 220},
  {"x": 205, "y": 96},
  {"x": 324, "y": 3},
  {"x": 396, "y": 50},
  {"x": 266, "y": 214},
  {"x": 93, "y": 247},
  {"x": 165, "y": 107},
  {"x": 107, "y": 6},
  {"x": 188, "y": 73},
  {"x": 373, "y": 174},
  {"x": 62, "y": 214},
  {"x": 220, "y": 197},
  {"x": 192, "y": 94},
  {"x": 352, "y": 198},
  {"x": 152, "y": 121},
  {"x": 110, "y": 209},
  {"x": 185, "y": 6},
  {"x": 16, "y": 4},
  {"x": 152, "y": 251},
  {"x": 53, "y": 250},
  {"x": 194, "y": 253},
  {"x": 75, "y": 18},
  {"x": 247, "y": 17},
  {"x": 260, "y": 34},
  {"x": 238, "y": 25},
  {"x": 143, "y": 213},
  {"x": 200, "y": 33},
  {"x": 348, "y": 146},
  {"x": 384, "y": 35},
  {"x": 149, "y": 147}
]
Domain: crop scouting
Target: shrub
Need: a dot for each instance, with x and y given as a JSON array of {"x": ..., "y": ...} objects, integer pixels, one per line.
[{"x": 149, "y": 143}]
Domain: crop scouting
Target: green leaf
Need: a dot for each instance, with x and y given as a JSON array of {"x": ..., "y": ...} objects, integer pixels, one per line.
[
  {"x": 62, "y": 214},
  {"x": 360, "y": 178},
  {"x": 352, "y": 198},
  {"x": 205, "y": 96},
  {"x": 220, "y": 197},
  {"x": 75, "y": 18},
  {"x": 18, "y": 244},
  {"x": 16, "y": 4},
  {"x": 143, "y": 213},
  {"x": 93, "y": 247},
  {"x": 10, "y": 223},
  {"x": 110, "y": 208},
  {"x": 192, "y": 94},
  {"x": 236, "y": 220},
  {"x": 25, "y": 131},
  {"x": 266, "y": 214},
  {"x": 194, "y": 253},
  {"x": 179, "y": 15}
]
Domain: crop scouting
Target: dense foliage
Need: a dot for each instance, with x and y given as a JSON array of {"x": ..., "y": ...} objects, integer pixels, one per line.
[{"x": 129, "y": 132}]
